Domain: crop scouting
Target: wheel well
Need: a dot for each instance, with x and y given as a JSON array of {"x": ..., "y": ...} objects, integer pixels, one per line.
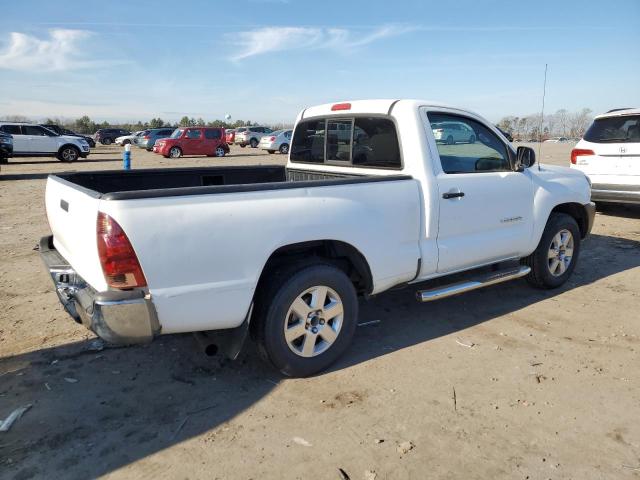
[
  {"x": 341, "y": 254},
  {"x": 67, "y": 145},
  {"x": 576, "y": 211}
]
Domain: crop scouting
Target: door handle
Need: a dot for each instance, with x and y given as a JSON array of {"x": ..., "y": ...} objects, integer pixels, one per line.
[{"x": 449, "y": 195}]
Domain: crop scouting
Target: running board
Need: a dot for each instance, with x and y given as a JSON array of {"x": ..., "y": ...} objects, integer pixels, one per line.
[{"x": 466, "y": 286}]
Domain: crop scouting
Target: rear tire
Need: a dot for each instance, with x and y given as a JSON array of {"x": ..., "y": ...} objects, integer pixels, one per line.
[
  {"x": 107, "y": 141},
  {"x": 126, "y": 142},
  {"x": 242, "y": 145},
  {"x": 317, "y": 306},
  {"x": 271, "y": 151},
  {"x": 284, "y": 148},
  {"x": 555, "y": 258},
  {"x": 254, "y": 143},
  {"x": 450, "y": 140}
]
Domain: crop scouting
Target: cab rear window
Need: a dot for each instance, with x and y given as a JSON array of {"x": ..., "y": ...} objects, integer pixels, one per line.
[
  {"x": 369, "y": 142},
  {"x": 622, "y": 129}
]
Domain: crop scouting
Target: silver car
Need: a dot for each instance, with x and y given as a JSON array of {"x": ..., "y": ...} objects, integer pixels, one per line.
[
  {"x": 453, "y": 132},
  {"x": 278, "y": 140},
  {"x": 250, "y": 135}
]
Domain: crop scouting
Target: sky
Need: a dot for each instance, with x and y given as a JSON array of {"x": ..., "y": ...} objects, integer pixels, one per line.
[{"x": 265, "y": 60}]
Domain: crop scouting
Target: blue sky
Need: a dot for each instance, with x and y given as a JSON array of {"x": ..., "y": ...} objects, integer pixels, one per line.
[{"x": 264, "y": 60}]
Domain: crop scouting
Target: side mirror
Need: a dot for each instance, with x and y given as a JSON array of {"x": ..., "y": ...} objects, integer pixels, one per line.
[{"x": 525, "y": 158}]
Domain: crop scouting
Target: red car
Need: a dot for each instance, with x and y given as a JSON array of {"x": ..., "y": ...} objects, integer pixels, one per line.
[
  {"x": 231, "y": 136},
  {"x": 207, "y": 141}
]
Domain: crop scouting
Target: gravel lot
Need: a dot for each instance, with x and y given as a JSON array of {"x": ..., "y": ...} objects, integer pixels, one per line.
[{"x": 505, "y": 382}]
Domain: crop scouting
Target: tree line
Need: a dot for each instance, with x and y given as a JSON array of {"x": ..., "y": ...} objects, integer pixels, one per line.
[
  {"x": 559, "y": 124},
  {"x": 85, "y": 125}
]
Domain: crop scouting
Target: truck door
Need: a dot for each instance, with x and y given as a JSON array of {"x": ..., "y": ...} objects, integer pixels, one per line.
[{"x": 486, "y": 208}]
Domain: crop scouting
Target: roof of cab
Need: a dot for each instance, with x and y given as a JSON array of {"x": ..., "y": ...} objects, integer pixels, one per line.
[
  {"x": 619, "y": 112},
  {"x": 378, "y": 106}
]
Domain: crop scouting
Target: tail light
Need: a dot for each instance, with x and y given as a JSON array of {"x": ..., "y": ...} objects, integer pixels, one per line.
[
  {"x": 118, "y": 259},
  {"x": 146, "y": 137},
  {"x": 272, "y": 139},
  {"x": 578, "y": 152}
]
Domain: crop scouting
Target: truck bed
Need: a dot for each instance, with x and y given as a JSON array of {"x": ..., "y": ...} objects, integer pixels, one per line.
[{"x": 170, "y": 182}]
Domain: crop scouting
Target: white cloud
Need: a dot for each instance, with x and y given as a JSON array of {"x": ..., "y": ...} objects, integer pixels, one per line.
[
  {"x": 60, "y": 51},
  {"x": 277, "y": 39}
]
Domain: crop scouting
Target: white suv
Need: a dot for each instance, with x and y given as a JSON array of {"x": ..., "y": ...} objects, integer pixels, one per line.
[
  {"x": 36, "y": 141},
  {"x": 609, "y": 154}
]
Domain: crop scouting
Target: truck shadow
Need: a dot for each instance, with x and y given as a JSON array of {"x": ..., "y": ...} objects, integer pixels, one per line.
[
  {"x": 96, "y": 411},
  {"x": 619, "y": 210}
]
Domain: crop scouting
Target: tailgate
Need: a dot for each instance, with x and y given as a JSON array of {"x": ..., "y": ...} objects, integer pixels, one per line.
[{"x": 72, "y": 212}]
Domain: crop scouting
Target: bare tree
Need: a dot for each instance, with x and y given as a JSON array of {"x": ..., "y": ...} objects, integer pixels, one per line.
[{"x": 562, "y": 119}]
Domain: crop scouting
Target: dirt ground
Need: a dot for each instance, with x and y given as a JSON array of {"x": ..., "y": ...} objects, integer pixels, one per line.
[{"x": 505, "y": 382}]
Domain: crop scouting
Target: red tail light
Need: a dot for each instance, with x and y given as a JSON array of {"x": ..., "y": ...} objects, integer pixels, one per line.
[
  {"x": 577, "y": 152},
  {"x": 341, "y": 106},
  {"x": 146, "y": 137},
  {"x": 118, "y": 259},
  {"x": 273, "y": 139}
]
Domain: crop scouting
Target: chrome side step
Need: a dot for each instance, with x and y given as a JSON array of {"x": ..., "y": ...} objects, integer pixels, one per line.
[{"x": 466, "y": 286}]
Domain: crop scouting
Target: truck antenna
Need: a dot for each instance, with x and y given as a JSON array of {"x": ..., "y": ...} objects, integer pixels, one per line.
[{"x": 544, "y": 92}]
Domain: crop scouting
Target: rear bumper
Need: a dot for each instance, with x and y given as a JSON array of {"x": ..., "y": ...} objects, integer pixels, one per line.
[
  {"x": 119, "y": 317},
  {"x": 604, "y": 192}
]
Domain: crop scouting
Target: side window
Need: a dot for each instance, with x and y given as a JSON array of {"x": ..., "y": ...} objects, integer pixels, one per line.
[
  {"x": 475, "y": 148},
  {"x": 12, "y": 129},
  {"x": 212, "y": 134},
  {"x": 375, "y": 143},
  {"x": 308, "y": 142},
  {"x": 339, "y": 140},
  {"x": 194, "y": 134},
  {"x": 31, "y": 130}
]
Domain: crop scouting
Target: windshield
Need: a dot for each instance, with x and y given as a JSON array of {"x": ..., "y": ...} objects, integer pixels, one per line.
[
  {"x": 241, "y": 129},
  {"x": 623, "y": 129},
  {"x": 177, "y": 133}
]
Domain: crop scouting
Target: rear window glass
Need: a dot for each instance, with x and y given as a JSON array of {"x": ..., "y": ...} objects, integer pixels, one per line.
[
  {"x": 308, "y": 142},
  {"x": 623, "y": 129},
  {"x": 213, "y": 134},
  {"x": 362, "y": 141}
]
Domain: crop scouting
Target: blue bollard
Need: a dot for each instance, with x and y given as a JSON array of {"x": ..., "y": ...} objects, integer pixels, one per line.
[{"x": 126, "y": 158}]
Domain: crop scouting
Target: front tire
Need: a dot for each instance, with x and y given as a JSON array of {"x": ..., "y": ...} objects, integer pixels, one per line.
[
  {"x": 126, "y": 142},
  {"x": 68, "y": 153},
  {"x": 106, "y": 141},
  {"x": 449, "y": 140},
  {"x": 219, "y": 152},
  {"x": 305, "y": 318},
  {"x": 254, "y": 143},
  {"x": 271, "y": 151},
  {"x": 175, "y": 152},
  {"x": 284, "y": 148},
  {"x": 556, "y": 256}
]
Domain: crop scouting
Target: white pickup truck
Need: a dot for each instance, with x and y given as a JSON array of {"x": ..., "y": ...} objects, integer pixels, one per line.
[{"x": 284, "y": 252}]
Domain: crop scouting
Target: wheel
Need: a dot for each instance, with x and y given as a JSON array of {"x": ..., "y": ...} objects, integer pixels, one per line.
[
  {"x": 107, "y": 141},
  {"x": 284, "y": 148},
  {"x": 449, "y": 140},
  {"x": 4, "y": 159},
  {"x": 242, "y": 145},
  {"x": 271, "y": 151},
  {"x": 253, "y": 142},
  {"x": 126, "y": 142},
  {"x": 472, "y": 139},
  {"x": 556, "y": 256},
  {"x": 175, "y": 152},
  {"x": 305, "y": 318},
  {"x": 219, "y": 152},
  {"x": 68, "y": 153}
]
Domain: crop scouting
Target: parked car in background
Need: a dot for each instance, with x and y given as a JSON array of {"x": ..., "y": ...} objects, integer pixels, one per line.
[
  {"x": 6, "y": 147},
  {"x": 250, "y": 136},
  {"x": 556, "y": 140},
  {"x": 107, "y": 136},
  {"x": 127, "y": 139},
  {"x": 65, "y": 131},
  {"x": 283, "y": 252},
  {"x": 230, "y": 136},
  {"x": 506, "y": 134},
  {"x": 453, "y": 132},
  {"x": 32, "y": 140},
  {"x": 609, "y": 154},
  {"x": 278, "y": 140},
  {"x": 149, "y": 138},
  {"x": 209, "y": 141}
]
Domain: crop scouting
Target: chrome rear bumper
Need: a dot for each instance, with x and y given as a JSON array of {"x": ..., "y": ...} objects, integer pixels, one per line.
[
  {"x": 118, "y": 316},
  {"x": 602, "y": 192}
]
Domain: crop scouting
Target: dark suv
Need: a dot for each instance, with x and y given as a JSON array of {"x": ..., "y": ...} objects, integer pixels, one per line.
[
  {"x": 107, "y": 136},
  {"x": 6, "y": 146},
  {"x": 63, "y": 131}
]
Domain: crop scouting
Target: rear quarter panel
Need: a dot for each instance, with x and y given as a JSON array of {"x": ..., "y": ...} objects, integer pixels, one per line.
[{"x": 203, "y": 255}]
